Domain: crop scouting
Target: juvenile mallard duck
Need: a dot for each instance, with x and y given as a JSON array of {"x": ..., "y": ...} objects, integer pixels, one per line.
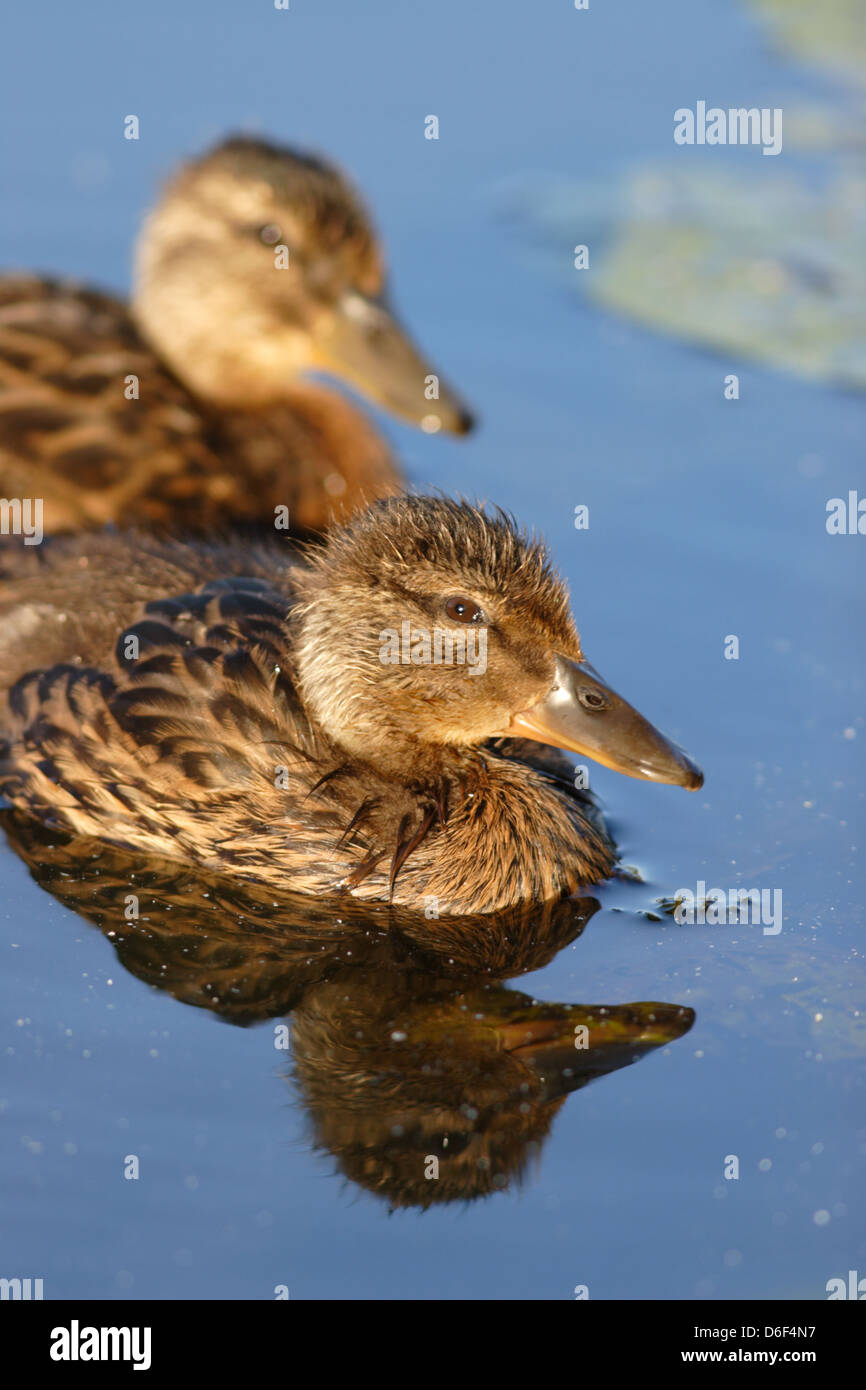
[
  {"x": 187, "y": 408},
  {"x": 310, "y": 723}
]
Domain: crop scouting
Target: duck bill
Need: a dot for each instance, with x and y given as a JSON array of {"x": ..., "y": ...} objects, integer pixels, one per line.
[
  {"x": 569, "y": 1045},
  {"x": 581, "y": 713},
  {"x": 365, "y": 344}
]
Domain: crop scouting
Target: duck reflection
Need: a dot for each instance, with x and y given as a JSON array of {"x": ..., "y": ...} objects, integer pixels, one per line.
[
  {"x": 426, "y": 1078},
  {"x": 448, "y": 1094}
]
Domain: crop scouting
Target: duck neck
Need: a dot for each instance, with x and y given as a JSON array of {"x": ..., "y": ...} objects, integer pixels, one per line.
[{"x": 408, "y": 761}]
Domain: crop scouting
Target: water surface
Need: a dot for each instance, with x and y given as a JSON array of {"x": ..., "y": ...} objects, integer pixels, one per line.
[{"x": 707, "y": 519}]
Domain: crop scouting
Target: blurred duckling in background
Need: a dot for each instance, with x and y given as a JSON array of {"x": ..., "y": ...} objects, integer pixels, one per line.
[
  {"x": 261, "y": 714},
  {"x": 187, "y": 408}
]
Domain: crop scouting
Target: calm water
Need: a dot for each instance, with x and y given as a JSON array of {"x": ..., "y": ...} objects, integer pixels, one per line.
[{"x": 707, "y": 519}]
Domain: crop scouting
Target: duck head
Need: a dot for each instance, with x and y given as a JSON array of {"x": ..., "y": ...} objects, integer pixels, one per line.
[
  {"x": 259, "y": 263},
  {"x": 430, "y": 624}
]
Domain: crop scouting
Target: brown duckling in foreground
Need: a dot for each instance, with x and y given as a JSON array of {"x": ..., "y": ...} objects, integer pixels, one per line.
[
  {"x": 308, "y": 722},
  {"x": 187, "y": 408}
]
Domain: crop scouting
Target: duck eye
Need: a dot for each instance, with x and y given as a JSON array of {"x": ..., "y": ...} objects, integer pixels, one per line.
[
  {"x": 270, "y": 234},
  {"x": 463, "y": 610},
  {"x": 591, "y": 699}
]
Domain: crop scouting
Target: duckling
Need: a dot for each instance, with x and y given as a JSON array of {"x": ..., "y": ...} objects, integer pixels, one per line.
[
  {"x": 245, "y": 709},
  {"x": 186, "y": 408}
]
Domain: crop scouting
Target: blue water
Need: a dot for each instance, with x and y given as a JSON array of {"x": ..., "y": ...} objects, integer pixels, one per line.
[{"x": 707, "y": 519}]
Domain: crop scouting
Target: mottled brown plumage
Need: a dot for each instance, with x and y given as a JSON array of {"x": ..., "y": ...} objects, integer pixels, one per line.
[
  {"x": 186, "y": 409},
  {"x": 227, "y": 704},
  {"x": 250, "y": 952}
]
